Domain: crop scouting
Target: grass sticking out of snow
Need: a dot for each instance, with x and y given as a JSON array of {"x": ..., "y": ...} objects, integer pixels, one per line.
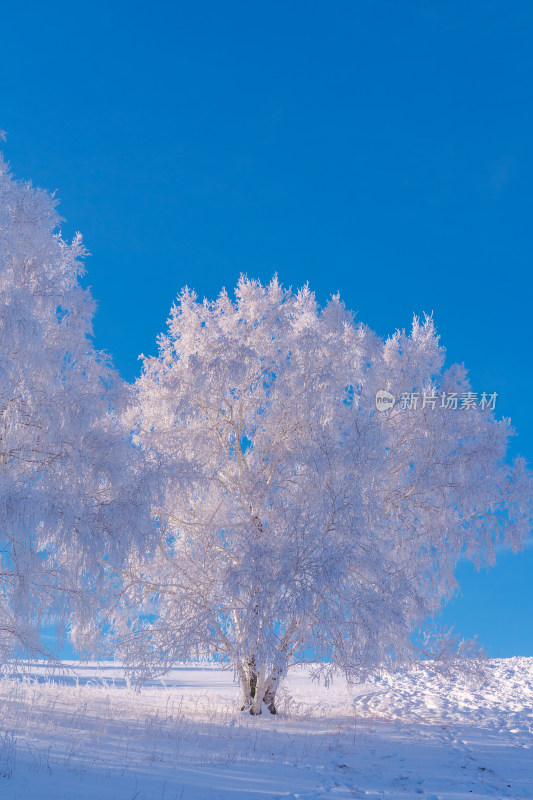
[{"x": 88, "y": 735}]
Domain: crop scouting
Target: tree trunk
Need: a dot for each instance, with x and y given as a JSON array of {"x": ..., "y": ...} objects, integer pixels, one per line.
[
  {"x": 257, "y": 706},
  {"x": 257, "y": 688},
  {"x": 271, "y": 690},
  {"x": 248, "y": 676}
]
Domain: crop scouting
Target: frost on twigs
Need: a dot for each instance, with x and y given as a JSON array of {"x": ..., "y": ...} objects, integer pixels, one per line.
[
  {"x": 245, "y": 500},
  {"x": 8, "y": 750},
  {"x": 297, "y": 523},
  {"x": 71, "y": 487}
]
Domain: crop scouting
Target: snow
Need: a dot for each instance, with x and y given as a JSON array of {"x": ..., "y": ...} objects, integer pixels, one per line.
[{"x": 88, "y": 735}]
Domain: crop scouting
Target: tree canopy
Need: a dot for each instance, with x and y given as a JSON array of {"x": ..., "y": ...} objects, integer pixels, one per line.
[
  {"x": 298, "y": 522},
  {"x": 70, "y": 482}
]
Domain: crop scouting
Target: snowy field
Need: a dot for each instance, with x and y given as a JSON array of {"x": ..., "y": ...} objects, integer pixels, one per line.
[{"x": 88, "y": 736}]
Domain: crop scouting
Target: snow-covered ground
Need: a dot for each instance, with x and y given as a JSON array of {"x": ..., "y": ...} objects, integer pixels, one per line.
[{"x": 88, "y": 736}]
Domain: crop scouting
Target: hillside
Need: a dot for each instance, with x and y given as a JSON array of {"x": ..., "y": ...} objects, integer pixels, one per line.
[{"x": 87, "y": 735}]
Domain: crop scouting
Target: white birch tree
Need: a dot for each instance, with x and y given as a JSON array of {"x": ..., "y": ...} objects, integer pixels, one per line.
[
  {"x": 69, "y": 481},
  {"x": 298, "y": 523}
]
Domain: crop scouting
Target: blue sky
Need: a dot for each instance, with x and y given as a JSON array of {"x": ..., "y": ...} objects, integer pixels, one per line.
[{"x": 373, "y": 147}]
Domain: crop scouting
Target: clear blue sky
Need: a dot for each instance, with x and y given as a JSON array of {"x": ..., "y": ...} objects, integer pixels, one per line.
[{"x": 375, "y": 147}]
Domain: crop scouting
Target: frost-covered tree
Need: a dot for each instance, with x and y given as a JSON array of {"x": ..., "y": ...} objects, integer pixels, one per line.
[
  {"x": 69, "y": 491},
  {"x": 299, "y": 523}
]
